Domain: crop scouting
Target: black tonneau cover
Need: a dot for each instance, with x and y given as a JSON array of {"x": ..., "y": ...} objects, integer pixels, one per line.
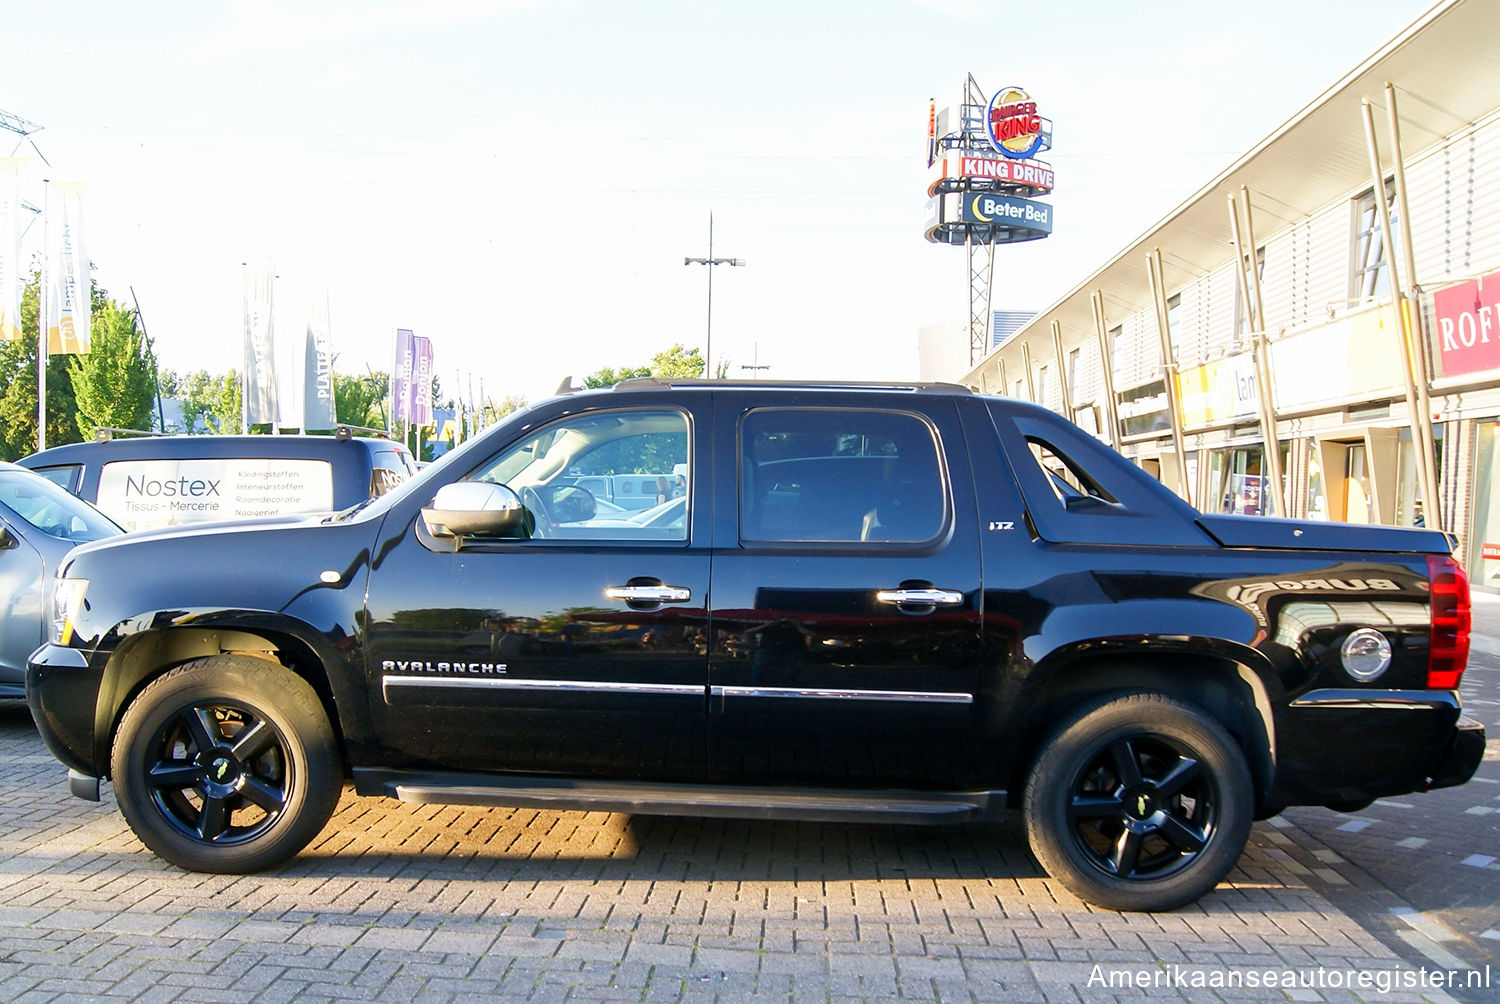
[{"x": 1310, "y": 535}]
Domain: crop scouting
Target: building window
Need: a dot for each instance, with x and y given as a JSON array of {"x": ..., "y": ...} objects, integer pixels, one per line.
[
  {"x": 1369, "y": 274},
  {"x": 1174, "y": 314},
  {"x": 1245, "y": 320},
  {"x": 1484, "y": 543},
  {"x": 1237, "y": 480},
  {"x": 1075, "y": 359}
]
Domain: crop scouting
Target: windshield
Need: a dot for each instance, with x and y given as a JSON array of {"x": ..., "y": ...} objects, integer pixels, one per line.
[{"x": 52, "y": 510}]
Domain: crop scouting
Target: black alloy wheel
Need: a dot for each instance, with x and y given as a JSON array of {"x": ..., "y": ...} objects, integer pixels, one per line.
[
  {"x": 226, "y": 764},
  {"x": 1143, "y": 807},
  {"x": 1139, "y": 801},
  {"x": 221, "y": 772}
]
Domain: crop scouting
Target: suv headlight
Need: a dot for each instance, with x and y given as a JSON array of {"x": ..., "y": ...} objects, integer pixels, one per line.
[{"x": 67, "y": 603}]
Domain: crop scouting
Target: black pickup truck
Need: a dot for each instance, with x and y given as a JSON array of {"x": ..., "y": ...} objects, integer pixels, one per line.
[{"x": 873, "y": 603}]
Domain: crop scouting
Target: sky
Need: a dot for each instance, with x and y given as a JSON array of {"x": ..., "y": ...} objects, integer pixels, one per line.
[{"x": 520, "y": 180}]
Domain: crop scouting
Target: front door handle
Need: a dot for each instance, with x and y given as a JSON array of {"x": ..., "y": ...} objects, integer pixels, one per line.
[
  {"x": 650, "y": 594},
  {"x": 924, "y": 597}
]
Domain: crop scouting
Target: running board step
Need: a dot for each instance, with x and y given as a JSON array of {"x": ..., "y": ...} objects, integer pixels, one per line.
[{"x": 641, "y": 798}]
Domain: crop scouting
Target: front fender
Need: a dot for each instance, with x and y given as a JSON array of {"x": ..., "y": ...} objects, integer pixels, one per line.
[{"x": 329, "y": 660}]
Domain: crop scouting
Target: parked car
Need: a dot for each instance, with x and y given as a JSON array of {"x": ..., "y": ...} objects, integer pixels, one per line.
[
  {"x": 39, "y": 524},
  {"x": 912, "y": 604},
  {"x": 145, "y": 482}
]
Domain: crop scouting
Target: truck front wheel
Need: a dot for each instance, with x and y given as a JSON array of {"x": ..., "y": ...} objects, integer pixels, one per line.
[
  {"x": 1139, "y": 802},
  {"x": 226, "y": 764}
]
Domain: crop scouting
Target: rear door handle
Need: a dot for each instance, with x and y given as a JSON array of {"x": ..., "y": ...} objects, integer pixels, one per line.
[
  {"x": 933, "y": 597},
  {"x": 650, "y": 594}
]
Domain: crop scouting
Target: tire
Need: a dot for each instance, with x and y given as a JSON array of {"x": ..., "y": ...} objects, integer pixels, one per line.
[
  {"x": 226, "y": 764},
  {"x": 1139, "y": 802}
]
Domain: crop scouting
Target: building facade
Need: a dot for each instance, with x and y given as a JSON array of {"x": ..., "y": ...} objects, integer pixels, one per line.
[{"x": 1275, "y": 304}]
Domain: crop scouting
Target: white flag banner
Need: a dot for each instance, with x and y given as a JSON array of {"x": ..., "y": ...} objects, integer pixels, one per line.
[
  {"x": 317, "y": 374},
  {"x": 260, "y": 355},
  {"x": 69, "y": 287},
  {"x": 11, "y": 169}
]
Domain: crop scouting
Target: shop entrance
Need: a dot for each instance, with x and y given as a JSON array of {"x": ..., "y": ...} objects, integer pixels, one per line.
[{"x": 1484, "y": 542}]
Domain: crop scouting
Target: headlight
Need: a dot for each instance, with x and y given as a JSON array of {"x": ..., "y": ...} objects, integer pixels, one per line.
[{"x": 67, "y": 603}]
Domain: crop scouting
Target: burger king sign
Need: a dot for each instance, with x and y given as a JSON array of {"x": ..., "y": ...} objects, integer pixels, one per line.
[{"x": 1012, "y": 125}]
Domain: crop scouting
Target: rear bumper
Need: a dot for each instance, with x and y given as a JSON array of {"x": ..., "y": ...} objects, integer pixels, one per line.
[
  {"x": 1464, "y": 755},
  {"x": 1351, "y": 745}
]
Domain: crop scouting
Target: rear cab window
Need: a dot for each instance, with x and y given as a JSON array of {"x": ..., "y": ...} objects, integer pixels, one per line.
[{"x": 1077, "y": 490}]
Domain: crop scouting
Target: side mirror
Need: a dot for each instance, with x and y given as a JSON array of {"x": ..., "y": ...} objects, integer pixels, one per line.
[
  {"x": 473, "y": 508},
  {"x": 8, "y": 540}
]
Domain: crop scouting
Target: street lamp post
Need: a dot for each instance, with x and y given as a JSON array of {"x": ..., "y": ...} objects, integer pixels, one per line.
[
  {"x": 756, "y": 366},
  {"x": 711, "y": 261}
]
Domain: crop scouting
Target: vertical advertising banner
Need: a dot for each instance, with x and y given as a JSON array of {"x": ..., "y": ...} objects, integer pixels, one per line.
[
  {"x": 317, "y": 373},
  {"x": 260, "y": 356},
  {"x": 421, "y": 388},
  {"x": 68, "y": 282},
  {"x": 402, "y": 369},
  {"x": 10, "y": 247}
]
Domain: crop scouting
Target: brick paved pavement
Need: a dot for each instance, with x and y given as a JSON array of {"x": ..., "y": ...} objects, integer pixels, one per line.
[{"x": 401, "y": 902}]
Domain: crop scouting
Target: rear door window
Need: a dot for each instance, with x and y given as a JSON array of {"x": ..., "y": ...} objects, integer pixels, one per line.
[{"x": 840, "y": 476}]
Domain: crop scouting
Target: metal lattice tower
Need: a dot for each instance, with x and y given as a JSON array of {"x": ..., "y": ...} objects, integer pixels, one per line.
[
  {"x": 981, "y": 254},
  {"x": 966, "y": 134},
  {"x": 24, "y": 129}
]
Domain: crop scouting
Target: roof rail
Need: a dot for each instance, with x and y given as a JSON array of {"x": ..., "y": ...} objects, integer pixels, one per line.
[
  {"x": 104, "y": 433},
  {"x": 342, "y": 432},
  {"x": 662, "y": 383}
]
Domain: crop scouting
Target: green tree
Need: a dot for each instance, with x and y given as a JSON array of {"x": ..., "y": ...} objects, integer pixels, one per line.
[
  {"x": 360, "y": 400},
  {"x": 676, "y": 363},
  {"x": 113, "y": 384},
  {"x": 18, "y": 389},
  {"x": 211, "y": 402},
  {"x": 511, "y": 402},
  {"x": 609, "y": 376}
]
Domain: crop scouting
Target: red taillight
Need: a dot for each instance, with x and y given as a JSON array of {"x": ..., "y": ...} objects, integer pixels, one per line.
[{"x": 1448, "y": 650}]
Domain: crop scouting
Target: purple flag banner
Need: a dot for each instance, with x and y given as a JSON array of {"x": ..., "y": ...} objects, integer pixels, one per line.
[
  {"x": 401, "y": 375},
  {"x": 421, "y": 391}
]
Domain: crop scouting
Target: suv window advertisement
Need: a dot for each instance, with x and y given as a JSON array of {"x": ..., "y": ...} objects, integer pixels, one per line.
[{"x": 142, "y": 494}]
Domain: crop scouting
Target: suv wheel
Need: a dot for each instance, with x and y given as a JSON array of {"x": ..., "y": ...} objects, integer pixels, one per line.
[
  {"x": 226, "y": 764},
  {"x": 1139, "y": 802}
]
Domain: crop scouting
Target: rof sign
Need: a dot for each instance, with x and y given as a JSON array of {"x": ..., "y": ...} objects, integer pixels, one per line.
[
  {"x": 1012, "y": 124},
  {"x": 1468, "y": 325}
]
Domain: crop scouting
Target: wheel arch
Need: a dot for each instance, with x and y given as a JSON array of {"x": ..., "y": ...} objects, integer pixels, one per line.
[
  {"x": 1223, "y": 683},
  {"x": 143, "y": 657}
]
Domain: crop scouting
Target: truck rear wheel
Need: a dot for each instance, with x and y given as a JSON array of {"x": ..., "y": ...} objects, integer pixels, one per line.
[
  {"x": 226, "y": 764},
  {"x": 1139, "y": 802}
]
